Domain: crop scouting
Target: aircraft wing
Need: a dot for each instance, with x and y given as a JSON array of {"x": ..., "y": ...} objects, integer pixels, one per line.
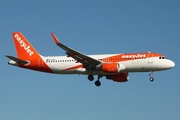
[{"x": 87, "y": 61}]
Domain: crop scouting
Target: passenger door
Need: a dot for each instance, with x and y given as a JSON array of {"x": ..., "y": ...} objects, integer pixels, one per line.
[{"x": 150, "y": 58}]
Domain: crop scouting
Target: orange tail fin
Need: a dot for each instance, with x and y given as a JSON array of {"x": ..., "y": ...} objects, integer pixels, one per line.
[
  {"x": 24, "y": 49},
  {"x": 26, "y": 53}
]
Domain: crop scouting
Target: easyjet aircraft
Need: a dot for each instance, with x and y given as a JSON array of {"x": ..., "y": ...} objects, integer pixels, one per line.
[{"x": 113, "y": 66}]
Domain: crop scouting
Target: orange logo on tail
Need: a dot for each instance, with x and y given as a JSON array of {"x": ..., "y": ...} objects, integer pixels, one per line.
[{"x": 23, "y": 44}]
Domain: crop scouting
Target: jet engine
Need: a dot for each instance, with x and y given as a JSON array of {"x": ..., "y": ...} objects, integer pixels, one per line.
[{"x": 112, "y": 67}]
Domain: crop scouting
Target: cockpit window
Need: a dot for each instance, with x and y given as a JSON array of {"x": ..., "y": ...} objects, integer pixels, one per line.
[{"x": 162, "y": 57}]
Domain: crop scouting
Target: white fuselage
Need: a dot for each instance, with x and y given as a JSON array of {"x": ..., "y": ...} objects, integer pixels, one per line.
[{"x": 67, "y": 65}]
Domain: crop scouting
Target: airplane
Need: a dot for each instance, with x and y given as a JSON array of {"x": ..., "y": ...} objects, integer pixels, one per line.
[{"x": 115, "y": 67}]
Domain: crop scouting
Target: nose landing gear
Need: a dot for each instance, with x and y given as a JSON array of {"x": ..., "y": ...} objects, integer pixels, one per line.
[{"x": 151, "y": 76}]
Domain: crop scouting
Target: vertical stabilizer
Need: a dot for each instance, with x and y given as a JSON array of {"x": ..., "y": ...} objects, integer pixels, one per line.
[
  {"x": 28, "y": 57},
  {"x": 24, "y": 49}
]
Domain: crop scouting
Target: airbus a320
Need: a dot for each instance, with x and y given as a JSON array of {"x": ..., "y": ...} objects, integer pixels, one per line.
[{"x": 114, "y": 67}]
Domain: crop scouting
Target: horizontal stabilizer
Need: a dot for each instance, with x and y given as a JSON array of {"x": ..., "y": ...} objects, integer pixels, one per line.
[{"x": 17, "y": 59}]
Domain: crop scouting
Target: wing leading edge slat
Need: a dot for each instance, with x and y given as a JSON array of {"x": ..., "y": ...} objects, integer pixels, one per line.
[{"x": 80, "y": 57}]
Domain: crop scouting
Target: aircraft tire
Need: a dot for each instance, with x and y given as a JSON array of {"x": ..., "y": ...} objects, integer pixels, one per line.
[
  {"x": 151, "y": 79},
  {"x": 90, "y": 77},
  {"x": 98, "y": 83}
]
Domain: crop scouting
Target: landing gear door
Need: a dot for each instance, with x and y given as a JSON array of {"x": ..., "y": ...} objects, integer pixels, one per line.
[{"x": 150, "y": 58}]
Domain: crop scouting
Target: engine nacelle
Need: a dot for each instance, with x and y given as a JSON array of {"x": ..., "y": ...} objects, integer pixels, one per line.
[
  {"x": 121, "y": 77},
  {"x": 112, "y": 67}
]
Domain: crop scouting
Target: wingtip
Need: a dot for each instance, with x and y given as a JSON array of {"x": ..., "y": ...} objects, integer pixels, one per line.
[
  {"x": 6, "y": 56},
  {"x": 55, "y": 38}
]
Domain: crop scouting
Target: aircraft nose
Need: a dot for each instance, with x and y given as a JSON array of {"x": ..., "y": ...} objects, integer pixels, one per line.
[{"x": 171, "y": 64}]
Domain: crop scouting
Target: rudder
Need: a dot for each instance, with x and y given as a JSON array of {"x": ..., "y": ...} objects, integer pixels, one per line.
[{"x": 24, "y": 49}]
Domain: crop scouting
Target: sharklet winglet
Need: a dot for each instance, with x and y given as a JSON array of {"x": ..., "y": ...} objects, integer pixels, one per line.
[{"x": 55, "y": 38}]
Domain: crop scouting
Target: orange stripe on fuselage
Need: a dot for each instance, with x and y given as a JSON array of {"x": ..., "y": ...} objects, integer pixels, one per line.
[
  {"x": 129, "y": 56},
  {"x": 74, "y": 67}
]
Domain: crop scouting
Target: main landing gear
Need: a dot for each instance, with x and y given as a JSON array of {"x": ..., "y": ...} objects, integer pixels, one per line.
[
  {"x": 151, "y": 76},
  {"x": 97, "y": 82},
  {"x": 90, "y": 77}
]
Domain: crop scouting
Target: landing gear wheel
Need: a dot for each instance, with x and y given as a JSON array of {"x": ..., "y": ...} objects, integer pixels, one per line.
[
  {"x": 97, "y": 83},
  {"x": 151, "y": 76},
  {"x": 151, "y": 79},
  {"x": 90, "y": 77}
]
